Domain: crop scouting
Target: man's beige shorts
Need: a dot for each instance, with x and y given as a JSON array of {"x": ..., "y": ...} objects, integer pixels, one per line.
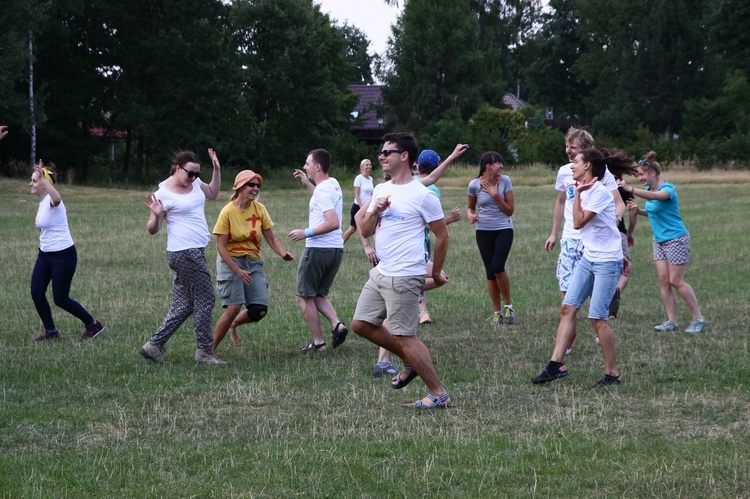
[{"x": 394, "y": 297}]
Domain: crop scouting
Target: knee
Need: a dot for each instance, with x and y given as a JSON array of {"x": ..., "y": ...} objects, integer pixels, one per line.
[
  {"x": 256, "y": 312},
  {"x": 359, "y": 327},
  {"x": 568, "y": 310}
]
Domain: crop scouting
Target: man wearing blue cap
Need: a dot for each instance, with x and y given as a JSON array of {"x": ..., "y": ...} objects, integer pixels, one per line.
[{"x": 427, "y": 162}]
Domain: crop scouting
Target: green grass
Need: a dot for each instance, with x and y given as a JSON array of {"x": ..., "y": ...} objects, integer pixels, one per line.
[{"x": 93, "y": 418}]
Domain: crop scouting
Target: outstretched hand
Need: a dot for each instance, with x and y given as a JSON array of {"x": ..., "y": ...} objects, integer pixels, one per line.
[
  {"x": 214, "y": 159},
  {"x": 153, "y": 203},
  {"x": 3, "y": 131}
]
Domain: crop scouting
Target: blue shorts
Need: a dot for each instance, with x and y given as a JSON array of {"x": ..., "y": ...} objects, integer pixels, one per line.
[{"x": 595, "y": 279}]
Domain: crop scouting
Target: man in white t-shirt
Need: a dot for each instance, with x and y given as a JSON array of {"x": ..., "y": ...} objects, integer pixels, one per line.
[
  {"x": 399, "y": 211},
  {"x": 571, "y": 245},
  {"x": 324, "y": 249}
]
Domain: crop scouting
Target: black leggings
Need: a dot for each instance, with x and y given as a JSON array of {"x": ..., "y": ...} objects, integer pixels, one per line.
[
  {"x": 494, "y": 246},
  {"x": 58, "y": 267}
]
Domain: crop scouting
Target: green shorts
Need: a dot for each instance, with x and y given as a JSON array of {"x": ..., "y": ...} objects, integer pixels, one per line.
[
  {"x": 317, "y": 270},
  {"x": 233, "y": 291},
  {"x": 394, "y": 297}
]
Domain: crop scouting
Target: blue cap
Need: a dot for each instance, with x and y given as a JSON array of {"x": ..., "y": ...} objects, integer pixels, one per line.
[{"x": 428, "y": 160}]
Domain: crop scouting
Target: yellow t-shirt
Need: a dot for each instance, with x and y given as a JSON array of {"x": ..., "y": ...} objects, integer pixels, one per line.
[{"x": 244, "y": 228}]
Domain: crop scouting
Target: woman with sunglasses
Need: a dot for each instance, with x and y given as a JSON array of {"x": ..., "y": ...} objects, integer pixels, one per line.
[
  {"x": 239, "y": 268},
  {"x": 671, "y": 245},
  {"x": 180, "y": 202}
]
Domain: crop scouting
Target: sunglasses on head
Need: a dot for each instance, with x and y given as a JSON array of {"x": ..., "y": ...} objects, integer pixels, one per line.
[{"x": 190, "y": 173}]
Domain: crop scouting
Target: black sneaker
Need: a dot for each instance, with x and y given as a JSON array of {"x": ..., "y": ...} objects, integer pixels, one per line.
[
  {"x": 546, "y": 376},
  {"x": 608, "y": 380},
  {"x": 48, "y": 334}
]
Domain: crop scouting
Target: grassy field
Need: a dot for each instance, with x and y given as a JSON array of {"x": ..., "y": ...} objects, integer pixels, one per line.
[{"x": 94, "y": 419}]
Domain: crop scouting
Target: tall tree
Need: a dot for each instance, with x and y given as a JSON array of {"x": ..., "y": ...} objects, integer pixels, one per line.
[
  {"x": 505, "y": 28},
  {"x": 432, "y": 63},
  {"x": 357, "y": 46},
  {"x": 551, "y": 54},
  {"x": 295, "y": 75}
]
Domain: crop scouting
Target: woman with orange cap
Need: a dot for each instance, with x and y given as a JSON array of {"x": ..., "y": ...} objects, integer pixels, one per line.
[{"x": 239, "y": 266}]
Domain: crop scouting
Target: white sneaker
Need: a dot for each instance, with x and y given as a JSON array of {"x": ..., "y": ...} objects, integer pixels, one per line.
[{"x": 207, "y": 356}]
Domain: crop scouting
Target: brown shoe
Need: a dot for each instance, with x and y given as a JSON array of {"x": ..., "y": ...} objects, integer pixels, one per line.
[{"x": 48, "y": 334}]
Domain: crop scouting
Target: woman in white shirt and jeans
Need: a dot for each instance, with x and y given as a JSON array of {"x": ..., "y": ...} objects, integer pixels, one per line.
[{"x": 600, "y": 268}]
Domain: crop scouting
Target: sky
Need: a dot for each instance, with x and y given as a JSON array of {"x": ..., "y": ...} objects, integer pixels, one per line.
[{"x": 374, "y": 17}]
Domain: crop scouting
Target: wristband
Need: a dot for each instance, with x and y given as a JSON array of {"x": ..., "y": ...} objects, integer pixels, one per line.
[{"x": 309, "y": 232}]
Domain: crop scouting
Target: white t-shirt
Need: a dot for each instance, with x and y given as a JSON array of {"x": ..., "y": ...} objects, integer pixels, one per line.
[
  {"x": 601, "y": 238},
  {"x": 365, "y": 189},
  {"x": 185, "y": 218},
  {"x": 326, "y": 196},
  {"x": 399, "y": 235},
  {"x": 52, "y": 222},
  {"x": 566, "y": 184}
]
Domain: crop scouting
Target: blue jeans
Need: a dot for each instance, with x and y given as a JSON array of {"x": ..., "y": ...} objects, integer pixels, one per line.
[
  {"x": 58, "y": 267},
  {"x": 595, "y": 279}
]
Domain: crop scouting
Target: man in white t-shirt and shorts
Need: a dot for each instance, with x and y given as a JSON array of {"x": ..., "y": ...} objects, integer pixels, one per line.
[
  {"x": 324, "y": 249},
  {"x": 399, "y": 211},
  {"x": 571, "y": 246}
]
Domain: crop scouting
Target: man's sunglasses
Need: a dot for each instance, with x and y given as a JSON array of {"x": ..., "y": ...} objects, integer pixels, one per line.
[
  {"x": 387, "y": 152},
  {"x": 191, "y": 174}
]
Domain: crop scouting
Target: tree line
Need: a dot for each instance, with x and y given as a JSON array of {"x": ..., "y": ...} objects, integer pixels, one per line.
[{"x": 265, "y": 81}]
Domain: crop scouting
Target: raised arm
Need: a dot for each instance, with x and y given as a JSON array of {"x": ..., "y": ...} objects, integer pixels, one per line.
[
  {"x": 438, "y": 172},
  {"x": 212, "y": 190},
  {"x": 157, "y": 213},
  {"x": 54, "y": 196},
  {"x": 302, "y": 176}
]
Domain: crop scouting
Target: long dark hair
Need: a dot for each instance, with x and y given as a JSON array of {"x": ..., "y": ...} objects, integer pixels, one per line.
[
  {"x": 616, "y": 161},
  {"x": 488, "y": 158}
]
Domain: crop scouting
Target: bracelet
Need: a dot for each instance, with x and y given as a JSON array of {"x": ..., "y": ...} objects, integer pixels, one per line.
[{"x": 309, "y": 232}]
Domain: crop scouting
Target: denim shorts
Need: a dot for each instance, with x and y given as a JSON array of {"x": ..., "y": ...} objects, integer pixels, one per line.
[{"x": 595, "y": 279}]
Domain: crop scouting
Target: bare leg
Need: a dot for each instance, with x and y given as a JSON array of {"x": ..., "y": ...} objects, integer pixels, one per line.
[
  {"x": 494, "y": 291},
  {"x": 677, "y": 280},
  {"x": 607, "y": 344},
  {"x": 409, "y": 348},
  {"x": 325, "y": 308},
  {"x": 383, "y": 355},
  {"x": 310, "y": 313},
  {"x": 418, "y": 356},
  {"x": 667, "y": 294},
  {"x": 575, "y": 333},
  {"x": 503, "y": 286},
  {"x": 241, "y": 319},
  {"x": 565, "y": 332},
  {"x": 224, "y": 322},
  {"x": 351, "y": 230}
]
